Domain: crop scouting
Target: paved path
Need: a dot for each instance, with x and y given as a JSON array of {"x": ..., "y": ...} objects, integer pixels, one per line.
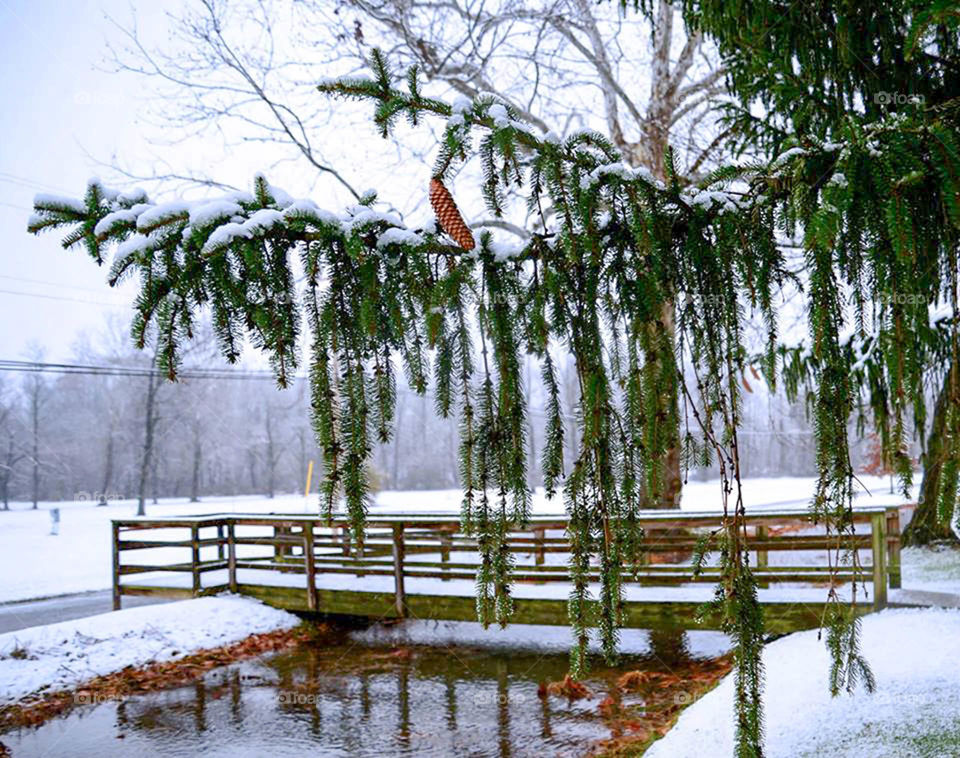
[
  {"x": 914, "y": 598},
  {"x": 20, "y": 615}
]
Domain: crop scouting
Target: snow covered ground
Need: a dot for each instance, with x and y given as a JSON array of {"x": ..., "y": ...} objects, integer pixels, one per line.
[
  {"x": 34, "y": 563},
  {"x": 58, "y": 656},
  {"x": 912, "y": 713}
]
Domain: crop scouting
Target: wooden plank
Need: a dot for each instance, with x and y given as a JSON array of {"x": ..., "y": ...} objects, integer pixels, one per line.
[
  {"x": 149, "y": 544},
  {"x": 201, "y": 568},
  {"x": 447, "y": 520},
  {"x": 116, "y": 566},
  {"x": 195, "y": 567},
  {"x": 231, "y": 558},
  {"x": 762, "y": 555},
  {"x": 781, "y": 618},
  {"x": 310, "y": 566},
  {"x": 175, "y": 593},
  {"x": 398, "y": 569},
  {"x": 445, "y": 555},
  {"x": 893, "y": 547},
  {"x": 878, "y": 525}
]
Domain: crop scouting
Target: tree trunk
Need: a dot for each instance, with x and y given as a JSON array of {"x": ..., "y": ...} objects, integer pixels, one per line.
[
  {"x": 8, "y": 473},
  {"x": 153, "y": 477},
  {"x": 271, "y": 456},
  {"x": 149, "y": 422},
  {"x": 926, "y": 526},
  {"x": 397, "y": 427},
  {"x": 35, "y": 422},
  {"x": 252, "y": 465},
  {"x": 107, "y": 469},
  {"x": 195, "y": 477},
  {"x": 672, "y": 469}
]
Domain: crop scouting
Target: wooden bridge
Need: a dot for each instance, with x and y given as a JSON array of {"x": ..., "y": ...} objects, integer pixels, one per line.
[{"x": 422, "y": 566}]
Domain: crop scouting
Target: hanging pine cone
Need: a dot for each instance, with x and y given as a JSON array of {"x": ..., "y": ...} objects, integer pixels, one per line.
[{"x": 449, "y": 217}]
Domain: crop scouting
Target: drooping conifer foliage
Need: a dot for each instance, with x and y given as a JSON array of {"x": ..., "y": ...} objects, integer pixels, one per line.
[{"x": 876, "y": 206}]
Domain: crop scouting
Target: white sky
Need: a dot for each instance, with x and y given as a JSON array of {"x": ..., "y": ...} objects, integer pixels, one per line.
[
  {"x": 62, "y": 113},
  {"x": 57, "y": 109}
]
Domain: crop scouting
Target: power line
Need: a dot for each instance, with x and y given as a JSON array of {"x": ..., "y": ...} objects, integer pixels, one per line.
[
  {"x": 15, "y": 207},
  {"x": 49, "y": 283},
  {"x": 63, "y": 297},
  {"x": 189, "y": 372},
  {"x": 6, "y": 176}
]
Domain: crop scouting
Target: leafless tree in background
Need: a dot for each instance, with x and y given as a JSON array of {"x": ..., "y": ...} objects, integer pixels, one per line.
[
  {"x": 245, "y": 70},
  {"x": 152, "y": 389},
  {"x": 11, "y": 451}
]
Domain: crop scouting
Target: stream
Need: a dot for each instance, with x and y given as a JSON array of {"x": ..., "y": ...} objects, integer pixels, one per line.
[{"x": 420, "y": 688}]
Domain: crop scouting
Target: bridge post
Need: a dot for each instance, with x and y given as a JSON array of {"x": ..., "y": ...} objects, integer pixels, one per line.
[
  {"x": 195, "y": 558},
  {"x": 231, "y": 557},
  {"x": 893, "y": 541},
  {"x": 540, "y": 552},
  {"x": 762, "y": 555},
  {"x": 878, "y": 523},
  {"x": 398, "y": 570},
  {"x": 309, "y": 561},
  {"x": 116, "y": 566},
  {"x": 445, "y": 543}
]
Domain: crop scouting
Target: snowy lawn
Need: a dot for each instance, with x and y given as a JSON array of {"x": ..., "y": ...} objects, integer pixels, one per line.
[
  {"x": 912, "y": 713},
  {"x": 35, "y": 563},
  {"x": 60, "y": 656}
]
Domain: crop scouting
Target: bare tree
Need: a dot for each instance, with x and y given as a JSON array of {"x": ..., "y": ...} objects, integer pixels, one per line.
[
  {"x": 36, "y": 391},
  {"x": 12, "y": 454},
  {"x": 149, "y": 432},
  {"x": 247, "y": 69}
]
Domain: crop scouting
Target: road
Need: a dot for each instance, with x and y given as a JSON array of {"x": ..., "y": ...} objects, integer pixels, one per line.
[{"x": 20, "y": 615}]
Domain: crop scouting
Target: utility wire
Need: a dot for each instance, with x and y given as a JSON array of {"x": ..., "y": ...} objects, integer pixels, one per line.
[
  {"x": 64, "y": 298},
  {"x": 190, "y": 372}
]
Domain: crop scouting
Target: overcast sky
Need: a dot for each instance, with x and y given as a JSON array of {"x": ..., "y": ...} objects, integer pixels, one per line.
[
  {"x": 64, "y": 115},
  {"x": 57, "y": 109}
]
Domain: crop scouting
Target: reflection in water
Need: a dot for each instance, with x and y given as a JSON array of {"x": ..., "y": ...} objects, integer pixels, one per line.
[{"x": 345, "y": 697}]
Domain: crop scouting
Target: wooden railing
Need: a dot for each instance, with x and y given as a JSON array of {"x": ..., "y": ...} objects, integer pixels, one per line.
[{"x": 400, "y": 549}]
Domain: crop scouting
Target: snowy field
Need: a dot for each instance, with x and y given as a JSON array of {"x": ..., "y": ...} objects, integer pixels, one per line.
[
  {"x": 912, "y": 713},
  {"x": 35, "y": 563},
  {"x": 58, "y": 656}
]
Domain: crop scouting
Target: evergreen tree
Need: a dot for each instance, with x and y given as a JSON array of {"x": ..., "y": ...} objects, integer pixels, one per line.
[{"x": 875, "y": 199}]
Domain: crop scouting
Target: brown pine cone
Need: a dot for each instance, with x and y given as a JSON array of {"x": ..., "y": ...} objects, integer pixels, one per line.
[{"x": 449, "y": 217}]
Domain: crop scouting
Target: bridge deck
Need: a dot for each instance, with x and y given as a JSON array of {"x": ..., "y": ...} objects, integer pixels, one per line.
[{"x": 422, "y": 566}]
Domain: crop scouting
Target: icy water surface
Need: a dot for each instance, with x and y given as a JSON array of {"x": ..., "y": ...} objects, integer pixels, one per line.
[{"x": 380, "y": 692}]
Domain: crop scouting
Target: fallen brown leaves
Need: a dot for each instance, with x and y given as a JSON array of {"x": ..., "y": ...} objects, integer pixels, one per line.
[
  {"x": 567, "y": 687},
  {"x": 633, "y": 681},
  {"x": 664, "y": 695},
  {"x": 35, "y": 710}
]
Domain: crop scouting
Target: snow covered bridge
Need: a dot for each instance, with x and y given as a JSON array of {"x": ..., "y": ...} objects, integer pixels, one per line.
[{"x": 422, "y": 566}]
